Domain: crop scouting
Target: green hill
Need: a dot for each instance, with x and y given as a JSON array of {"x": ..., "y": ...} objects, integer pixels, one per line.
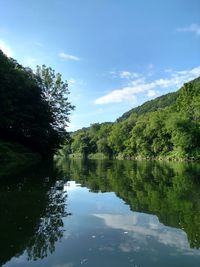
[
  {"x": 152, "y": 105},
  {"x": 166, "y": 127},
  {"x": 158, "y": 103}
]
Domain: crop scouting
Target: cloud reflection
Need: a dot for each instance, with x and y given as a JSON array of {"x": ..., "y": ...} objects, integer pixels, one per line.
[{"x": 142, "y": 226}]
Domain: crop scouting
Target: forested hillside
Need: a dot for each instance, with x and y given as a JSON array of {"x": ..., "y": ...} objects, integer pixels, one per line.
[
  {"x": 167, "y": 127},
  {"x": 152, "y": 105},
  {"x": 34, "y": 109}
]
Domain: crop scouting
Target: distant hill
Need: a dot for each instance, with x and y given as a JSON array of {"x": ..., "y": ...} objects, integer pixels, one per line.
[
  {"x": 157, "y": 103},
  {"x": 152, "y": 105},
  {"x": 166, "y": 127}
]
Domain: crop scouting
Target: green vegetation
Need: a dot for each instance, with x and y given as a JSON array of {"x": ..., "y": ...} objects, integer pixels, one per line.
[
  {"x": 15, "y": 158},
  {"x": 165, "y": 128},
  {"x": 34, "y": 111},
  {"x": 152, "y": 105},
  {"x": 169, "y": 190}
]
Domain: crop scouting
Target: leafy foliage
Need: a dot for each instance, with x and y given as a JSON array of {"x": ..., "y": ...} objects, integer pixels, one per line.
[
  {"x": 55, "y": 92},
  {"x": 152, "y": 105},
  {"x": 34, "y": 108},
  {"x": 168, "y": 127}
]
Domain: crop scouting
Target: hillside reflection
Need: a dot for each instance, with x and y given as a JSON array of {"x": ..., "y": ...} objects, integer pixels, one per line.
[{"x": 170, "y": 191}]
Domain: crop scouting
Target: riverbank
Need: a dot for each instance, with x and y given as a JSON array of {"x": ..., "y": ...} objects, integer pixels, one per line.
[
  {"x": 169, "y": 157},
  {"x": 15, "y": 158}
]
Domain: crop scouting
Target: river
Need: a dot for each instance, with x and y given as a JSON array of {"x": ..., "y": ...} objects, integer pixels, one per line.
[{"x": 101, "y": 213}]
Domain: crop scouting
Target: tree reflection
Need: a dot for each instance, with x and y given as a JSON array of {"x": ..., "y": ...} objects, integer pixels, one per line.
[
  {"x": 31, "y": 210},
  {"x": 169, "y": 190}
]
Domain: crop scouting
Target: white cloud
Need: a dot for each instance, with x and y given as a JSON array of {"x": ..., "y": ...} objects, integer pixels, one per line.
[
  {"x": 152, "y": 93},
  {"x": 76, "y": 84},
  {"x": 195, "y": 28},
  {"x": 129, "y": 93},
  {"x": 5, "y": 48},
  {"x": 72, "y": 82},
  {"x": 113, "y": 74},
  {"x": 125, "y": 74},
  {"x": 129, "y": 75},
  {"x": 116, "y": 96},
  {"x": 68, "y": 57}
]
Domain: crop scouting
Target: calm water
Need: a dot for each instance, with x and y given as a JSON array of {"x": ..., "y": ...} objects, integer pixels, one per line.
[{"x": 101, "y": 213}]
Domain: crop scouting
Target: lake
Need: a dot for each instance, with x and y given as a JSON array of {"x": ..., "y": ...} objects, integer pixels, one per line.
[{"x": 101, "y": 213}]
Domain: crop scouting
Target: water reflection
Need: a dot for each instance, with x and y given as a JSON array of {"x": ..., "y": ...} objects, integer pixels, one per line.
[
  {"x": 154, "y": 221},
  {"x": 171, "y": 191},
  {"x": 32, "y": 208},
  {"x": 142, "y": 227}
]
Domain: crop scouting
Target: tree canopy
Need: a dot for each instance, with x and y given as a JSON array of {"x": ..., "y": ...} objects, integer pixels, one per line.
[
  {"x": 34, "y": 108},
  {"x": 168, "y": 127}
]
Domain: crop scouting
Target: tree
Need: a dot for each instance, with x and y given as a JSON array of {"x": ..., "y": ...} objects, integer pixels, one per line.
[
  {"x": 55, "y": 92},
  {"x": 34, "y": 108},
  {"x": 81, "y": 143},
  {"x": 102, "y": 147},
  {"x": 24, "y": 114}
]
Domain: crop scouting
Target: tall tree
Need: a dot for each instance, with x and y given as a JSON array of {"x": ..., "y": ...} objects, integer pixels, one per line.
[
  {"x": 34, "y": 108},
  {"x": 55, "y": 92}
]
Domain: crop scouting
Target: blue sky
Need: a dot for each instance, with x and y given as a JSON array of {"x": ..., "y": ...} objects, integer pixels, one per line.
[{"x": 115, "y": 54}]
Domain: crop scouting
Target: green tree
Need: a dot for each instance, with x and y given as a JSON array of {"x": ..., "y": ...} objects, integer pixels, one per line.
[
  {"x": 81, "y": 143},
  {"x": 24, "y": 114},
  {"x": 34, "y": 108},
  {"x": 55, "y": 92}
]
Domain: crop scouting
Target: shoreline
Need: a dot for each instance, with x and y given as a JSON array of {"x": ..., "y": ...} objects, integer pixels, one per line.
[{"x": 159, "y": 158}]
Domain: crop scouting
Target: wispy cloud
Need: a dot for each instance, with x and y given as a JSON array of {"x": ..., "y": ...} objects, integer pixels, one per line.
[
  {"x": 68, "y": 57},
  {"x": 152, "y": 93},
  {"x": 117, "y": 96},
  {"x": 129, "y": 75},
  {"x": 76, "y": 83},
  {"x": 72, "y": 82},
  {"x": 6, "y": 49},
  {"x": 141, "y": 85},
  {"x": 194, "y": 28},
  {"x": 125, "y": 74}
]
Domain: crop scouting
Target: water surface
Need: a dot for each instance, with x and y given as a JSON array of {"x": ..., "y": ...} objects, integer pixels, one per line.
[{"x": 102, "y": 213}]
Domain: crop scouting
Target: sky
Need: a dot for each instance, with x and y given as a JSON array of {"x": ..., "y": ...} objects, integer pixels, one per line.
[{"x": 115, "y": 54}]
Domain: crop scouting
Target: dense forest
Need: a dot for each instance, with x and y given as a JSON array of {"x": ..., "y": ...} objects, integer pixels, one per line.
[
  {"x": 34, "y": 113},
  {"x": 34, "y": 110},
  {"x": 166, "y": 127}
]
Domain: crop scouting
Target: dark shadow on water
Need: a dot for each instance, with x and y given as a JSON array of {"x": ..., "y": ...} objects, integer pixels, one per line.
[{"x": 32, "y": 207}]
